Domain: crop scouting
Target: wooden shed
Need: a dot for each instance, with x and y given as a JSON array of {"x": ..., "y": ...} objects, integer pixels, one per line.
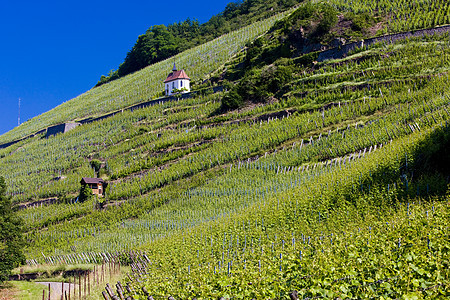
[{"x": 97, "y": 185}]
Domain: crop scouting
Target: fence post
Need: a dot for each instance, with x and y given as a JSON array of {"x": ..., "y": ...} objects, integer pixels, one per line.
[
  {"x": 293, "y": 295},
  {"x": 105, "y": 296}
]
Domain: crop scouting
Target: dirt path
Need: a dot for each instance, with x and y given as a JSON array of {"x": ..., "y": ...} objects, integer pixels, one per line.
[
  {"x": 8, "y": 293},
  {"x": 56, "y": 289}
]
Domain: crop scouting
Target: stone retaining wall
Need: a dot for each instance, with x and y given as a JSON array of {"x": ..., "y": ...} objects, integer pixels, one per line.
[{"x": 342, "y": 51}]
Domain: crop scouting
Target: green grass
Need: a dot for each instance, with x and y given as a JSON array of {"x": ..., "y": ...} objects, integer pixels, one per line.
[{"x": 29, "y": 290}]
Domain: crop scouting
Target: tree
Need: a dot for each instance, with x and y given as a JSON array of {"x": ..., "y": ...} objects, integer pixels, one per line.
[
  {"x": 96, "y": 165},
  {"x": 11, "y": 238},
  {"x": 85, "y": 193},
  {"x": 329, "y": 18}
]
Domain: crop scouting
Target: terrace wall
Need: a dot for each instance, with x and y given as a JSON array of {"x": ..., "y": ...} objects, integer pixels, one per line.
[{"x": 342, "y": 51}]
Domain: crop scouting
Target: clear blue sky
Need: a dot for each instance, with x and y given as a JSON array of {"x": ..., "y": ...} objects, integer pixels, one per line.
[{"x": 52, "y": 51}]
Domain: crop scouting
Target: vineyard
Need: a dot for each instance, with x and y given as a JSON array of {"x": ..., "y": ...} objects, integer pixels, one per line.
[{"x": 339, "y": 189}]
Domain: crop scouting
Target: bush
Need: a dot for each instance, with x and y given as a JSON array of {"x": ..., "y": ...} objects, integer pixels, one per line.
[
  {"x": 360, "y": 22},
  {"x": 85, "y": 193},
  {"x": 328, "y": 20},
  {"x": 231, "y": 100},
  {"x": 307, "y": 59},
  {"x": 96, "y": 165},
  {"x": 11, "y": 239},
  {"x": 258, "y": 85}
]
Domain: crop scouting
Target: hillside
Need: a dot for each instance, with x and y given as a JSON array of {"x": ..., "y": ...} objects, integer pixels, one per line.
[
  {"x": 147, "y": 84},
  {"x": 322, "y": 179},
  {"x": 160, "y": 42}
]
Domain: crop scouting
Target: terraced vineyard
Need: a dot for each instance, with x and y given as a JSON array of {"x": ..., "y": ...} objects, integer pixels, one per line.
[
  {"x": 337, "y": 190},
  {"x": 146, "y": 84}
]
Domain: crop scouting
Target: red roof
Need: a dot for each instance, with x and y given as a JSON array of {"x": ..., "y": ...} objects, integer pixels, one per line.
[
  {"x": 176, "y": 75},
  {"x": 88, "y": 180}
]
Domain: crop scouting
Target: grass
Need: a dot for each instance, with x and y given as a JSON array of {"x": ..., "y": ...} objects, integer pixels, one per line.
[
  {"x": 33, "y": 290},
  {"x": 7, "y": 291},
  {"x": 25, "y": 290},
  {"x": 50, "y": 269}
]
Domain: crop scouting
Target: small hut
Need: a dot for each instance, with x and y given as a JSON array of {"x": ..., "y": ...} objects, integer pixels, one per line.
[{"x": 97, "y": 185}]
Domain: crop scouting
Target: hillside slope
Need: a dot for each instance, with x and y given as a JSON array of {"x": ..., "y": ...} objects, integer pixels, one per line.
[
  {"x": 146, "y": 84},
  {"x": 333, "y": 185}
]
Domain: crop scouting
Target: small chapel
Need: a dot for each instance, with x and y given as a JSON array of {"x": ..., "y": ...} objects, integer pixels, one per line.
[{"x": 177, "y": 82}]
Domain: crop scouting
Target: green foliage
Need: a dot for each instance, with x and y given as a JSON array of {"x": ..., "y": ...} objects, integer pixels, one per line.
[
  {"x": 348, "y": 162},
  {"x": 161, "y": 42},
  {"x": 360, "y": 22},
  {"x": 157, "y": 44},
  {"x": 328, "y": 18},
  {"x": 301, "y": 17},
  {"x": 374, "y": 245},
  {"x": 307, "y": 59},
  {"x": 28, "y": 290},
  {"x": 96, "y": 165},
  {"x": 179, "y": 91},
  {"x": 85, "y": 193},
  {"x": 258, "y": 85},
  {"x": 11, "y": 239},
  {"x": 232, "y": 100},
  {"x": 310, "y": 20},
  {"x": 112, "y": 75}
]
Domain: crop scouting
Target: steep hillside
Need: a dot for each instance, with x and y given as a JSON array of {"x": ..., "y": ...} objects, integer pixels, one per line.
[
  {"x": 329, "y": 180},
  {"x": 146, "y": 84},
  {"x": 160, "y": 42}
]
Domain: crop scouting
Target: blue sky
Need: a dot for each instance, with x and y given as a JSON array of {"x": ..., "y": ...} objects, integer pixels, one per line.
[{"x": 52, "y": 51}]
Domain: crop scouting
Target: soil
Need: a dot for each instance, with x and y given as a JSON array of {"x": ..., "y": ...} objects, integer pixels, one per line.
[{"x": 8, "y": 292}]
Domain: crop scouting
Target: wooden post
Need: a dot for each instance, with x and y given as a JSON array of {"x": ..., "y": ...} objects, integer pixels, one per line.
[
  {"x": 89, "y": 283},
  {"x": 43, "y": 294},
  {"x": 84, "y": 285},
  {"x": 105, "y": 296},
  {"x": 79, "y": 286},
  {"x": 62, "y": 290},
  {"x": 65, "y": 294},
  {"x": 293, "y": 295},
  {"x": 69, "y": 286},
  {"x": 49, "y": 291},
  {"x": 109, "y": 290}
]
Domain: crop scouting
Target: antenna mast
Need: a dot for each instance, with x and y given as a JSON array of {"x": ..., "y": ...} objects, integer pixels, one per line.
[{"x": 18, "y": 119}]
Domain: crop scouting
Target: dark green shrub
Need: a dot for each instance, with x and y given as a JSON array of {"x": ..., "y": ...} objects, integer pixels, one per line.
[
  {"x": 96, "y": 165},
  {"x": 307, "y": 59},
  {"x": 328, "y": 19},
  {"x": 11, "y": 241},
  {"x": 360, "y": 22},
  {"x": 231, "y": 100},
  {"x": 85, "y": 193}
]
